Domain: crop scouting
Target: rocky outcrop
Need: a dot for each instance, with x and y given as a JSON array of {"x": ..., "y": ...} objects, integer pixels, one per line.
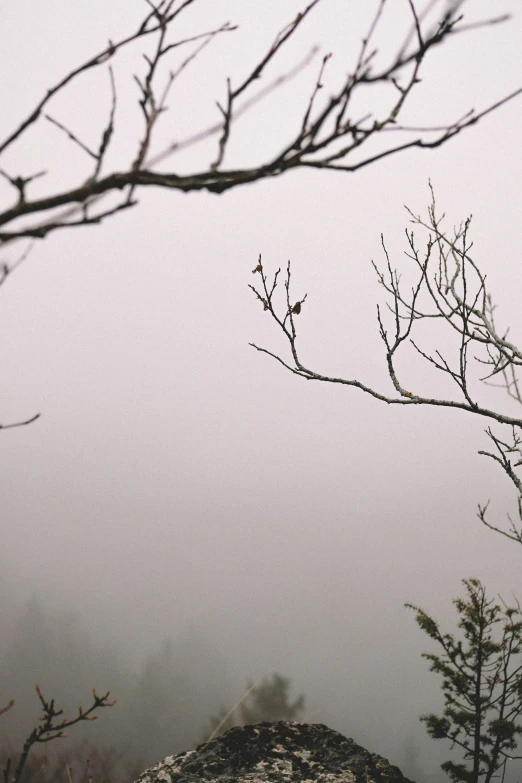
[{"x": 276, "y": 753}]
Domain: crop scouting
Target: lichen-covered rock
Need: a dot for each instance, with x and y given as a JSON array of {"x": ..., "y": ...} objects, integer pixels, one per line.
[{"x": 276, "y": 753}]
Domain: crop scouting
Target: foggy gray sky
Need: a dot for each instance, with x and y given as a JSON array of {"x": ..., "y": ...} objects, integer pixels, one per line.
[{"x": 179, "y": 480}]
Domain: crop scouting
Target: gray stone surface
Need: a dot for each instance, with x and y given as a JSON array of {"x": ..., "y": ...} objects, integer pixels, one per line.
[{"x": 276, "y": 753}]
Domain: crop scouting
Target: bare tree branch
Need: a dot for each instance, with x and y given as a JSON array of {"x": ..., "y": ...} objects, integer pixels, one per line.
[
  {"x": 450, "y": 288},
  {"x": 327, "y": 136},
  {"x": 7, "y": 707},
  {"x": 52, "y": 726},
  {"x": 5, "y": 271},
  {"x": 20, "y": 424}
]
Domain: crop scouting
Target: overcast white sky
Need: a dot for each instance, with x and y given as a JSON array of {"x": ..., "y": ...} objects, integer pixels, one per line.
[{"x": 178, "y": 479}]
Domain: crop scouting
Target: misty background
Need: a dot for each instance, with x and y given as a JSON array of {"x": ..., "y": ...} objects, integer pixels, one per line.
[{"x": 187, "y": 516}]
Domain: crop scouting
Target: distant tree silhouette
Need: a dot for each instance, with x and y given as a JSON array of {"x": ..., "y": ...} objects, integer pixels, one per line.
[{"x": 268, "y": 701}]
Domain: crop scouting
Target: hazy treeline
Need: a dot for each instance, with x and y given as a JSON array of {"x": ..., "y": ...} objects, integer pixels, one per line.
[
  {"x": 163, "y": 705},
  {"x": 169, "y": 702}
]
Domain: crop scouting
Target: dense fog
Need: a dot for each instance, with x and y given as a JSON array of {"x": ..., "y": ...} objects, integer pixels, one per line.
[{"x": 187, "y": 517}]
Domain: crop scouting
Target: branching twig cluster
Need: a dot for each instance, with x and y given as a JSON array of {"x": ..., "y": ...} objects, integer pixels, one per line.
[
  {"x": 451, "y": 289},
  {"x": 51, "y": 726},
  {"x": 328, "y": 136}
]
